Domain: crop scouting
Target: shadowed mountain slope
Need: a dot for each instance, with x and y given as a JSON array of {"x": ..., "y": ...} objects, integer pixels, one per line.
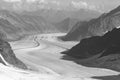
[
  {"x": 94, "y": 27},
  {"x": 101, "y": 51}
]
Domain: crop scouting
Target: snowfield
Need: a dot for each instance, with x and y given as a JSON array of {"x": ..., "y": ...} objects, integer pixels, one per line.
[
  {"x": 11, "y": 73},
  {"x": 42, "y": 56}
]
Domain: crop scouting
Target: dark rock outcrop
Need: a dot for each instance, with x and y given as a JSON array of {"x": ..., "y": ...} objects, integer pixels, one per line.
[
  {"x": 106, "y": 46},
  {"x": 94, "y": 27},
  {"x": 8, "y": 55}
]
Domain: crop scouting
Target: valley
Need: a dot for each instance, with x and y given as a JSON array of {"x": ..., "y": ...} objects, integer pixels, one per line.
[{"x": 43, "y": 54}]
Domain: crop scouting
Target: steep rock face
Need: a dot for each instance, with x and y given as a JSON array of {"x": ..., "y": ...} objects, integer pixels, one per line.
[
  {"x": 95, "y": 27},
  {"x": 7, "y": 55},
  {"x": 107, "y": 47}
]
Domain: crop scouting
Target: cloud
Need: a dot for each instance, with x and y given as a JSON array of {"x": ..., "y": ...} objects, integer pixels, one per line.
[
  {"x": 84, "y": 5},
  {"x": 55, "y": 2},
  {"x": 12, "y": 0},
  {"x": 31, "y": 1},
  {"x": 48, "y": 4},
  {"x": 79, "y": 4},
  {"x": 21, "y": 0}
]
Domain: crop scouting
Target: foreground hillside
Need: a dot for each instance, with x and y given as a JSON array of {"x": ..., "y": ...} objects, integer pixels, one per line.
[{"x": 95, "y": 27}]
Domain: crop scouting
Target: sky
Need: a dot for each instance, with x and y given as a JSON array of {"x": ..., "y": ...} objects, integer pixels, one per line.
[{"x": 98, "y": 5}]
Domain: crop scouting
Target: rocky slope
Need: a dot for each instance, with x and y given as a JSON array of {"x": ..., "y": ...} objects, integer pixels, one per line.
[
  {"x": 15, "y": 25},
  {"x": 104, "y": 51},
  {"x": 7, "y": 56},
  {"x": 94, "y": 27}
]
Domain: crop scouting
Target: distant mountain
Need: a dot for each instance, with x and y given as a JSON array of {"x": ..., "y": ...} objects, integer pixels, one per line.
[
  {"x": 66, "y": 24},
  {"x": 52, "y": 15},
  {"x": 15, "y": 25},
  {"x": 85, "y": 14},
  {"x": 94, "y": 27},
  {"x": 65, "y": 20},
  {"x": 53, "y": 11}
]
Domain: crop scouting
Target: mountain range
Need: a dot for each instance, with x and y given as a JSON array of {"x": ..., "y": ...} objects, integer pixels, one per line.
[
  {"x": 94, "y": 27},
  {"x": 15, "y": 25}
]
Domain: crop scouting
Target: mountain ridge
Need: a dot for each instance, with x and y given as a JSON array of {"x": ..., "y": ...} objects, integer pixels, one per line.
[{"x": 95, "y": 27}]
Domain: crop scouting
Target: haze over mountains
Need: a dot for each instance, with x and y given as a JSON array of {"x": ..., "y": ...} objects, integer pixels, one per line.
[{"x": 32, "y": 5}]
